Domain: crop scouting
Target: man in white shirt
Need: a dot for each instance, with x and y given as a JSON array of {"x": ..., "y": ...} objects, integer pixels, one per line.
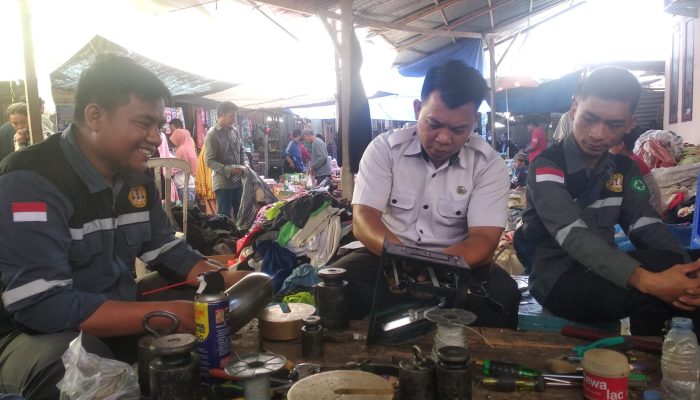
[{"x": 438, "y": 186}]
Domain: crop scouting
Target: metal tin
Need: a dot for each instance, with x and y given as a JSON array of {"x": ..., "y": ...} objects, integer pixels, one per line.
[
  {"x": 417, "y": 377},
  {"x": 312, "y": 337},
  {"x": 144, "y": 353},
  {"x": 174, "y": 372},
  {"x": 454, "y": 379},
  {"x": 332, "y": 298},
  {"x": 213, "y": 332}
]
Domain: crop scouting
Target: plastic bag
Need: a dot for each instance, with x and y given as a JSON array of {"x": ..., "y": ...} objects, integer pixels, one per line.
[{"x": 91, "y": 377}]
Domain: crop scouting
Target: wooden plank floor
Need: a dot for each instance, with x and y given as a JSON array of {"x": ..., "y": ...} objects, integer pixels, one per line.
[{"x": 530, "y": 349}]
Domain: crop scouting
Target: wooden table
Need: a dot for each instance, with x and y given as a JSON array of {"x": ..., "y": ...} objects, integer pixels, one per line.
[{"x": 530, "y": 349}]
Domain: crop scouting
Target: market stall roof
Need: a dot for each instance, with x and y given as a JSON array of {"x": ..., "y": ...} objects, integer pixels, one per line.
[
  {"x": 418, "y": 29},
  {"x": 180, "y": 83}
]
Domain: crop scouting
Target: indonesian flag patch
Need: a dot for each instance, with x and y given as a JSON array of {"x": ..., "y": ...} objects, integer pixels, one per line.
[
  {"x": 549, "y": 175},
  {"x": 29, "y": 212}
]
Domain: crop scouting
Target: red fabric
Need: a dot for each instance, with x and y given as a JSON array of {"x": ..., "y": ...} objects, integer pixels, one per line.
[
  {"x": 549, "y": 171},
  {"x": 538, "y": 142},
  {"x": 643, "y": 167},
  {"x": 184, "y": 148},
  {"x": 247, "y": 240},
  {"x": 305, "y": 155}
]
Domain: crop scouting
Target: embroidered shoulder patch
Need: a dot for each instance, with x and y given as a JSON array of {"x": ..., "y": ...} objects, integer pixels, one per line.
[
  {"x": 137, "y": 196},
  {"x": 614, "y": 184},
  {"x": 638, "y": 185}
]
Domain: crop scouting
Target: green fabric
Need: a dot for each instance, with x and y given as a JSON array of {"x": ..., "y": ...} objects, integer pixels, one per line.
[
  {"x": 286, "y": 232},
  {"x": 301, "y": 297},
  {"x": 274, "y": 211}
]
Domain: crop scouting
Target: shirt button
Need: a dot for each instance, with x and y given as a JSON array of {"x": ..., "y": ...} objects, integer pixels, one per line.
[
  {"x": 420, "y": 230},
  {"x": 393, "y": 201},
  {"x": 459, "y": 213},
  {"x": 434, "y": 175},
  {"x": 425, "y": 207}
]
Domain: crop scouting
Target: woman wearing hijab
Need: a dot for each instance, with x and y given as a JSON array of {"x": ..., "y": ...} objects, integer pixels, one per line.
[{"x": 184, "y": 149}]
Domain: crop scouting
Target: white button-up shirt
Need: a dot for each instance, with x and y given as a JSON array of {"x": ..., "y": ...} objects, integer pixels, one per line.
[{"x": 432, "y": 207}]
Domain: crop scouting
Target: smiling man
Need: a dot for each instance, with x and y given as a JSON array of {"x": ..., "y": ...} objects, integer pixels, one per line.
[
  {"x": 75, "y": 212},
  {"x": 437, "y": 186},
  {"x": 577, "y": 192}
]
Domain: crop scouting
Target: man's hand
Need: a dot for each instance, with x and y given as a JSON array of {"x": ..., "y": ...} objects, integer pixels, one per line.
[
  {"x": 237, "y": 171},
  {"x": 22, "y": 137},
  {"x": 673, "y": 286}
]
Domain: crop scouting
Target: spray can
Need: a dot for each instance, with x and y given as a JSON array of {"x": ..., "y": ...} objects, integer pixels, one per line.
[
  {"x": 211, "y": 307},
  {"x": 417, "y": 377},
  {"x": 454, "y": 380}
]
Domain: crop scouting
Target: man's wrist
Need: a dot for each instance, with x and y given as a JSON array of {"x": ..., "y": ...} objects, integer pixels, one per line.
[{"x": 640, "y": 279}]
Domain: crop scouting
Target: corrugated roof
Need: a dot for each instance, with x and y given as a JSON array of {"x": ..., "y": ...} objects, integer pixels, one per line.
[{"x": 179, "y": 82}]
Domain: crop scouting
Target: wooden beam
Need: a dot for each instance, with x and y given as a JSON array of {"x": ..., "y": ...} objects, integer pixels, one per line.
[
  {"x": 425, "y": 11},
  {"x": 491, "y": 14},
  {"x": 346, "y": 30},
  {"x": 30, "y": 82},
  {"x": 455, "y": 24},
  {"x": 529, "y": 27},
  {"x": 333, "y": 33},
  {"x": 369, "y": 22},
  {"x": 492, "y": 77}
]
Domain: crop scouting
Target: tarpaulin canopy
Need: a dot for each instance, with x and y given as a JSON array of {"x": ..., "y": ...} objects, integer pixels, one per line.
[
  {"x": 468, "y": 50},
  {"x": 180, "y": 83},
  {"x": 552, "y": 96}
]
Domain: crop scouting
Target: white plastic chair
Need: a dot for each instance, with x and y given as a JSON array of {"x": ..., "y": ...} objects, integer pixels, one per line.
[{"x": 167, "y": 165}]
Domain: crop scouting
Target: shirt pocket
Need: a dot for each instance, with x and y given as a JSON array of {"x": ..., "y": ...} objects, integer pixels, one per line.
[
  {"x": 83, "y": 252},
  {"x": 402, "y": 200},
  {"x": 131, "y": 240},
  {"x": 608, "y": 211},
  {"x": 453, "y": 212}
]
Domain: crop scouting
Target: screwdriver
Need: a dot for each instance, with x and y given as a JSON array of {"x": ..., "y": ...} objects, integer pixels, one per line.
[
  {"x": 512, "y": 384},
  {"x": 490, "y": 367}
]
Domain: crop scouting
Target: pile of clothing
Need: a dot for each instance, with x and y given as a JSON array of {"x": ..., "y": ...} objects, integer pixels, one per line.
[{"x": 304, "y": 229}]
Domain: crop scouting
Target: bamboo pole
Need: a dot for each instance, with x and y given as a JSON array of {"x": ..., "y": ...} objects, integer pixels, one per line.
[{"x": 30, "y": 82}]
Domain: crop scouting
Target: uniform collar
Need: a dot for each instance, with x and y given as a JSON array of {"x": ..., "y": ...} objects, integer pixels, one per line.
[
  {"x": 414, "y": 148},
  {"x": 82, "y": 166},
  {"x": 574, "y": 157}
]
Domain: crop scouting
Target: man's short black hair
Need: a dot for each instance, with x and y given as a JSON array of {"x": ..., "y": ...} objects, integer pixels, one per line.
[
  {"x": 17, "y": 108},
  {"x": 296, "y": 133},
  {"x": 631, "y": 138},
  {"x": 176, "y": 123},
  {"x": 458, "y": 84},
  {"x": 612, "y": 83},
  {"x": 226, "y": 107},
  {"x": 111, "y": 80}
]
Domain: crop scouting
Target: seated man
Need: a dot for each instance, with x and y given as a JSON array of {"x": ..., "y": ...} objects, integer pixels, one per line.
[
  {"x": 77, "y": 209},
  {"x": 577, "y": 192},
  {"x": 436, "y": 185}
]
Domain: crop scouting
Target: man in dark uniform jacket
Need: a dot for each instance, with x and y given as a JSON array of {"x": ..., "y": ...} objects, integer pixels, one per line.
[
  {"x": 577, "y": 192},
  {"x": 75, "y": 212}
]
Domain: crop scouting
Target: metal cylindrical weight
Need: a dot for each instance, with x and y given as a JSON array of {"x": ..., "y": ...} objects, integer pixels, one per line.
[
  {"x": 312, "y": 337},
  {"x": 417, "y": 377},
  {"x": 144, "y": 345},
  {"x": 331, "y": 298},
  {"x": 454, "y": 379},
  {"x": 174, "y": 372}
]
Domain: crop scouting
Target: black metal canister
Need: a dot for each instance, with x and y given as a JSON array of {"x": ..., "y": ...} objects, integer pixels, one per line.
[
  {"x": 312, "y": 337},
  {"x": 332, "y": 299},
  {"x": 454, "y": 379},
  {"x": 174, "y": 372},
  {"x": 417, "y": 377},
  {"x": 144, "y": 345}
]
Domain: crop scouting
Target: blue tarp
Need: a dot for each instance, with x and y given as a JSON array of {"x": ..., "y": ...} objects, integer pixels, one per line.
[
  {"x": 552, "y": 96},
  {"x": 468, "y": 50}
]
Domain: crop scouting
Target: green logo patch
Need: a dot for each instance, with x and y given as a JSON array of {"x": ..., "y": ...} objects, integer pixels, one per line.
[{"x": 637, "y": 184}]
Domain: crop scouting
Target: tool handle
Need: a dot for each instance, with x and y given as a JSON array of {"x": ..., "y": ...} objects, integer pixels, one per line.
[{"x": 590, "y": 334}]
